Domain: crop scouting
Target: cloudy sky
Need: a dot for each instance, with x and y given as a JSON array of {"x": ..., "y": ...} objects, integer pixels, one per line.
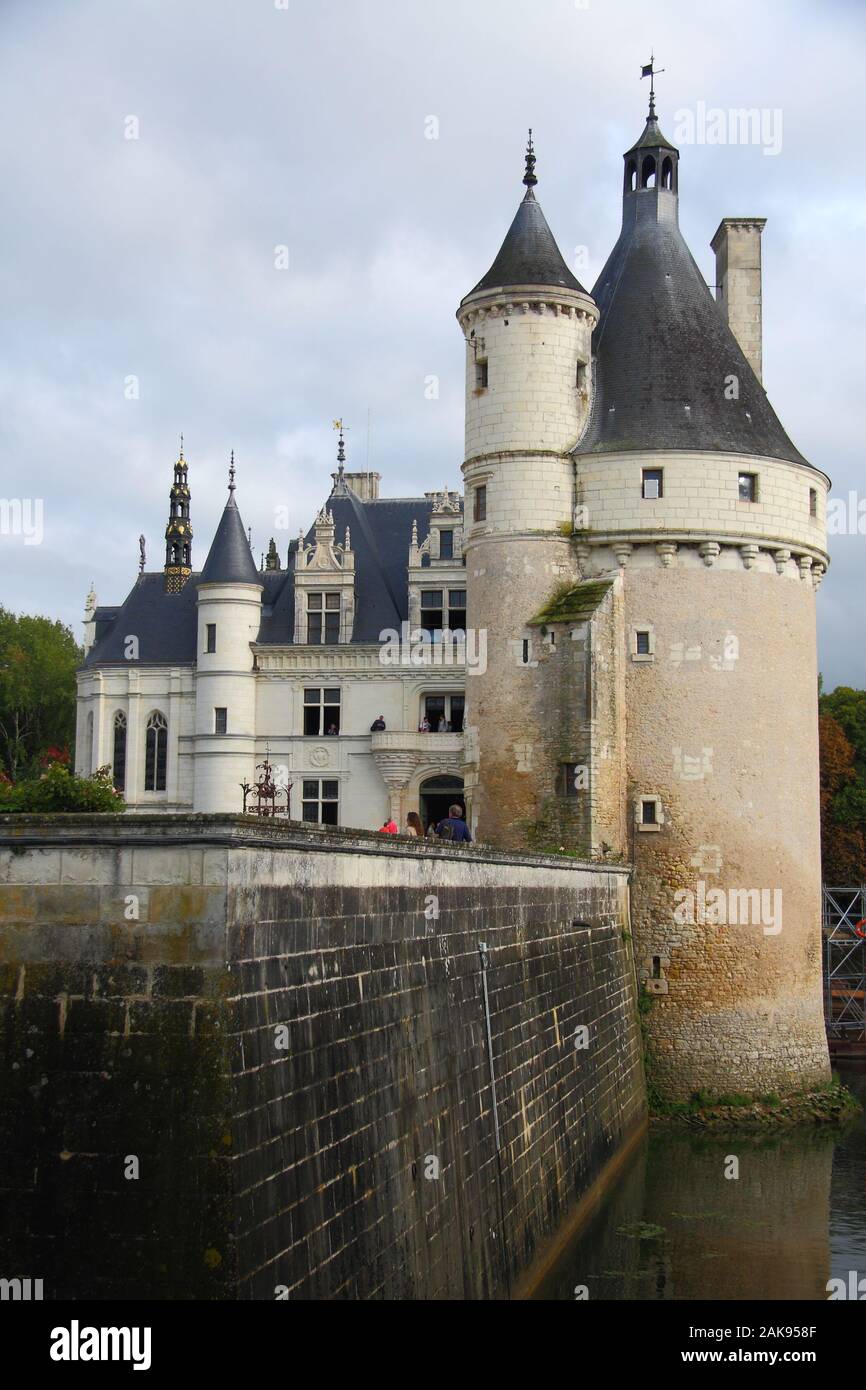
[{"x": 142, "y": 294}]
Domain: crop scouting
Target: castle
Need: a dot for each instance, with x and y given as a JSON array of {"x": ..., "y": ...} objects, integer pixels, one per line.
[{"x": 640, "y": 552}]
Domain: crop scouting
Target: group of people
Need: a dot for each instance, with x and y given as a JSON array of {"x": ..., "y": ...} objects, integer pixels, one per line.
[
  {"x": 453, "y": 828},
  {"x": 443, "y": 726}
]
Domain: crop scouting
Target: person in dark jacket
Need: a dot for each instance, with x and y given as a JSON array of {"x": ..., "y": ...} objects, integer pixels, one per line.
[
  {"x": 377, "y": 725},
  {"x": 454, "y": 827}
]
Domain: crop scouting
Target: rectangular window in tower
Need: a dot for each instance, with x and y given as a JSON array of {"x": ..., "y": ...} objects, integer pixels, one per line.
[
  {"x": 321, "y": 711},
  {"x": 648, "y": 813},
  {"x": 446, "y": 545},
  {"x": 813, "y": 502},
  {"x": 580, "y": 376},
  {"x": 574, "y": 778},
  {"x": 210, "y": 637},
  {"x": 481, "y": 374},
  {"x": 320, "y": 801},
  {"x": 748, "y": 487},
  {"x": 642, "y": 643},
  {"x": 220, "y": 720},
  {"x": 479, "y": 504},
  {"x": 652, "y": 484}
]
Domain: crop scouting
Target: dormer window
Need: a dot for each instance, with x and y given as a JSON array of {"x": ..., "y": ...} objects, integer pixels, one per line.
[
  {"x": 446, "y": 545},
  {"x": 323, "y": 619}
]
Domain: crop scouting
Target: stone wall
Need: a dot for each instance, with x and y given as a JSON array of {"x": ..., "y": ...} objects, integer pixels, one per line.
[{"x": 251, "y": 1061}]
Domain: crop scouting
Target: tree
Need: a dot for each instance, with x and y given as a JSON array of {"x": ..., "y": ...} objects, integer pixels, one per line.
[
  {"x": 38, "y": 658},
  {"x": 843, "y": 805}
]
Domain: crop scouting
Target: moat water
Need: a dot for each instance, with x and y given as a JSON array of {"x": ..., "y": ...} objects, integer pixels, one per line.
[{"x": 674, "y": 1227}]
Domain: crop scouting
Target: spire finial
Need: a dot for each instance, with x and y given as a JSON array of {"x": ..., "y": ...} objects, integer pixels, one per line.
[
  {"x": 651, "y": 72},
  {"x": 529, "y": 177},
  {"x": 181, "y": 449},
  {"x": 232, "y": 472},
  {"x": 341, "y": 444}
]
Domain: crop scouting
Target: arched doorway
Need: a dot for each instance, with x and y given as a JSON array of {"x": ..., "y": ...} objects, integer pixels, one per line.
[{"x": 436, "y": 795}]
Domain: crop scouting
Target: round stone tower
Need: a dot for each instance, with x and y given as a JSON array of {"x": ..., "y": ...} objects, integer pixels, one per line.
[
  {"x": 229, "y": 616},
  {"x": 528, "y": 326},
  {"x": 696, "y": 496}
]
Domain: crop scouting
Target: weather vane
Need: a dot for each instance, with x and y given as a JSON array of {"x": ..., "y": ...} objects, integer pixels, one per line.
[
  {"x": 341, "y": 450},
  {"x": 232, "y": 472},
  {"x": 652, "y": 73}
]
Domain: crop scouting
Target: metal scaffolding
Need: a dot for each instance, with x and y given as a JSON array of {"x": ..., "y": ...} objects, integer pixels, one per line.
[{"x": 844, "y": 932}]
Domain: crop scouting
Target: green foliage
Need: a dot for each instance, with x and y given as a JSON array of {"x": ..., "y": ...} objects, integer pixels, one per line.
[
  {"x": 848, "y": 708},
  {"x": 842, "y": 726},
  {"x": 38, "y": 658},
  {"x": 59, "y": 790}
]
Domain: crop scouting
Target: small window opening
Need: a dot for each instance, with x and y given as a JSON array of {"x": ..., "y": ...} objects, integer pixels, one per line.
[
  {"x": 748, "y": 487},
  {"x": 648, "y": 173},
  {"x": 652, "y": 484},
  {"x": 648, "y": 813},
  {"x": 668, "y": 173},
  {"x": 813, "y": 502},
  {"x": 630, "y": 176},
  {"x": 526, "y": 651},
  {"x": 220, "y": 718},
  {"x": 479, "y": 512},
  {"x": 657, "y": 967},
  {"x": 446, "y": 545},
  {"x": 210, "y": 638},
  {"x": 481, "y": 374},
  {"x": 642, "y": 643}
]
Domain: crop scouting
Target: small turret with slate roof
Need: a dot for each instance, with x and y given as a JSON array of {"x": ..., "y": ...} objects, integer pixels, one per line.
[{"x": 230, "y": 560}]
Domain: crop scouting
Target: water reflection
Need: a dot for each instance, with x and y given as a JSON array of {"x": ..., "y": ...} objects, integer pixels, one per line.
[{"x": 675, "y": 1227}]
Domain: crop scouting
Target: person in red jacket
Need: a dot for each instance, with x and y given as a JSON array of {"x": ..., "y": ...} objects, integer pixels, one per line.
[{"x": 389, "y": 828}]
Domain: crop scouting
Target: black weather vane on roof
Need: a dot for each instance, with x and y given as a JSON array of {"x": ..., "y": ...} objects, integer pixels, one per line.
[{"x": 651, "y": 72}]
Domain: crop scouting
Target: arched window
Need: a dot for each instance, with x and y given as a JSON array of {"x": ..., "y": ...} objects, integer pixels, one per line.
[
  {"x": 668, "y": 173},
  {"x": 155, "y": 753},
  {"x": 648, "y": 173},
  {"x": 630, "y": 176},
  {"x": 119, "y": 754}
]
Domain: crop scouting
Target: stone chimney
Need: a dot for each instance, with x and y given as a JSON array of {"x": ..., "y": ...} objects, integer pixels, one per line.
[
  {"x": 364, "y": 485},
  {"x": 737, "y": 245}
]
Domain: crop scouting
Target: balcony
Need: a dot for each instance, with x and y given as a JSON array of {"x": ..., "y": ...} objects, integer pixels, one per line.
[{"x": 406, "y": 756}]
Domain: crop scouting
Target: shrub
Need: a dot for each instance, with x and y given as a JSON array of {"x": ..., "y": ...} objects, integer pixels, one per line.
[{"x": 58, "y": 789}]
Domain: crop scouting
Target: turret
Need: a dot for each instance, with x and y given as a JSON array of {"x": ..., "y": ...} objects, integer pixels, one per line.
[
  {"x": 713, "y": 523},
  {"x": 229, "y": 616},
  {"x": 528, "y": 327},
  {"x": 178, "y": 532}
]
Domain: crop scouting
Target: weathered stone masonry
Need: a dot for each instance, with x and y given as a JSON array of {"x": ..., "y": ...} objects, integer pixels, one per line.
[{"x": 301, "y": 1168}]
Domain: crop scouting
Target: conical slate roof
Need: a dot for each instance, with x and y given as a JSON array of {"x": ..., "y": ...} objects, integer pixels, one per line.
[
  {"x": 529, "y": 254},
  {"x": 664, "y": 354},
  {"x": 652, "y": 138},
  {"x": 230, "y": 559}
]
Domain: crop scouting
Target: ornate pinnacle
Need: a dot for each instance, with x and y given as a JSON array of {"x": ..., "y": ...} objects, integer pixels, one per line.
[
  {"x": 341, "y": 446},
  {"x": 529, "y": 177},
  {"x": 232, "y": 472}
]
